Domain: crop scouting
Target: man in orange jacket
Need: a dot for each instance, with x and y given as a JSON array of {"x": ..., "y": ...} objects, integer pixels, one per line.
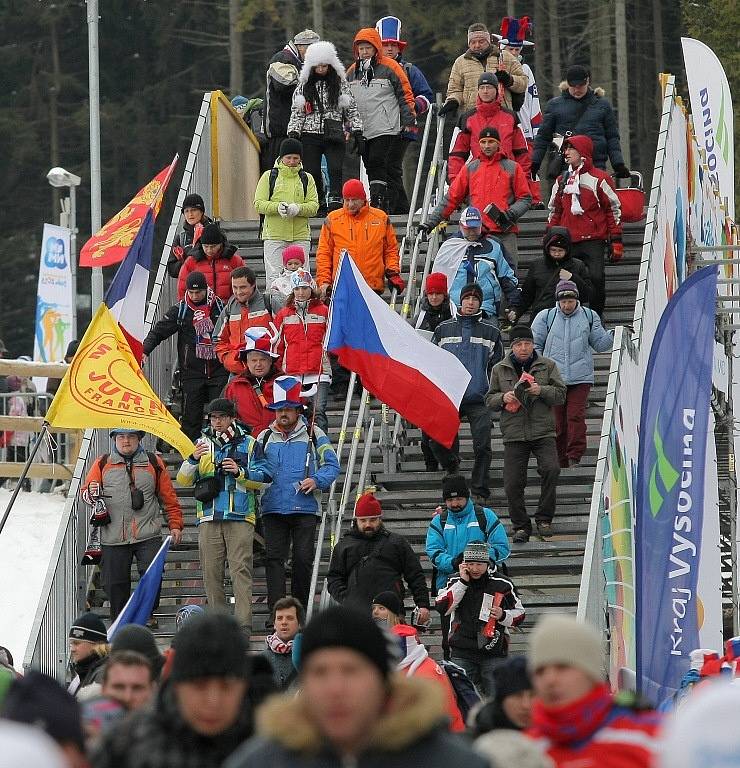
[
  {"x": 368, "y": 236},
  {"x": 495, "y": 185}
]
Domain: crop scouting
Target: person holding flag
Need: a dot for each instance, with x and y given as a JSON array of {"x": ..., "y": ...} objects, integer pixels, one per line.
[
  {"x": 128, "y": 487},
  {"x": 302, "y": 464}
]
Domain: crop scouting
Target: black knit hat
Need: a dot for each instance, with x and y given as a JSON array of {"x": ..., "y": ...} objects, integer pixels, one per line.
[
  {"x": 455, "y": 485},
  {"x": 520, "y": 333},
  {"x": 472, "y": 289},
  {"x": 291, "y": 147},
  {"x": 221, "y": 405},
  {"x": 389, "y": 600},
  {"x": 39, "y": 700},
  {"x": 194, "y": 200},
  {"x": 210, "y": 645},
  {"x": 489, "y": 133},
  {"x": 512, "y": 677},
  {"x": 134, "y": 637},
  {"x": 89, "y": 627},
  {"x": 488, "y": 78},
  {"x": 212, "y": 235},
  {"x": 340, "y": 627},
  {"x": 196, "y": 282}
]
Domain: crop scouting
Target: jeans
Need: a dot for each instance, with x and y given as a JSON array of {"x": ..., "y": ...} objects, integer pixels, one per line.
[
  {"x": 479, "y": 668},
  {"x": 273, "y": 257},
  {"x": 570, "y": 424},
  {"x": 232, "y": 540},
  {"x": 318, "y": 403},
  {"x": 591, "y": 253},
  {"x": 196, "y": 394},
  {"x": 314, "y": 147},
  {"x": 115, "y": 567},
  {"x": 479, "y": 418},
  {"x": 516, "y": 460},
  {"x": 280, "y": 530}
]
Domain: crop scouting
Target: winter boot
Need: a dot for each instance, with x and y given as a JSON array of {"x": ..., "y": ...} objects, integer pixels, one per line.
[{"x": 379, "y": 195}]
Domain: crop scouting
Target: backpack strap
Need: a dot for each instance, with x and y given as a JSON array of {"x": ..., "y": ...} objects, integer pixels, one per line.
[
  {"x": 550, "y": 320},
  {"x": 153, "y": 460},
  {"x": 302, "y": 175}
]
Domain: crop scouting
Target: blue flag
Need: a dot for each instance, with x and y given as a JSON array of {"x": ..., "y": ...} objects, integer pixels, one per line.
[
  {"x": 138, "y": 609},
  {"x": 670, "y": 485}
]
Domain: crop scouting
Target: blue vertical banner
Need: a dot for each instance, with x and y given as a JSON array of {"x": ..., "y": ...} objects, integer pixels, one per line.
[{"x": 674, "y": 422}]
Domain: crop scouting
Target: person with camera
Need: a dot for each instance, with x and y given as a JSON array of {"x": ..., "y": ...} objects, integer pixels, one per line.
[
  {"x": 526, "y": 387},
  {"x": 128, "y": 487},
  {"x": 226, "y": 468}
]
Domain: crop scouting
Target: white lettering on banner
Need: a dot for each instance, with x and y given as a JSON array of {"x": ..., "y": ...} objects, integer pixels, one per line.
[
  {"x": 683, "y": 524},
  {"x": 706, "y": 113}
]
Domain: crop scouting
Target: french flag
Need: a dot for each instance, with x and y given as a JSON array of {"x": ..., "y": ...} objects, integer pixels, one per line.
[
  {"x": 424, "y": 383},
  {"x": 126, "y": 296},
  {"x": 138, "y": 609}
]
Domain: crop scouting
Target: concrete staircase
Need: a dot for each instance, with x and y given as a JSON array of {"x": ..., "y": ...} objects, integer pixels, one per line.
[{"x": 547, "y": 574}]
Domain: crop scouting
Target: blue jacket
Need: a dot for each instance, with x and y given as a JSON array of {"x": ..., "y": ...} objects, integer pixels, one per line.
[
  {"x": 420, "y": 87},
  {"x": 286, "y": 461},
  {"x": 569, "y": 339},
  {"x": 484, "y": 263},
  {"x": 236, "y": 499},
  {"x": 477, "y": 344},
  {"x": 460, "y": 528}
]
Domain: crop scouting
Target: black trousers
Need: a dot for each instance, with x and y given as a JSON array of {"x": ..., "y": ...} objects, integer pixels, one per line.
[
  {"x": 196, "y": 394},
  {"x": 280, "y": 530},
  {"x": 479, "y": 418},
  {"x": 516, "y": 460},
  {"x": 383, "y": 159},
  {"x": 398, "y": 201},
  {"x": 314, "y": 146},
  {"x": 115, "y": 567},
  {"x": 591, "y": 253}
]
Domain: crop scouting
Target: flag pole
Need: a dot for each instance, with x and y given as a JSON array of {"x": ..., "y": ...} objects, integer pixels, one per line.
[{"x": 29, "y": 461}]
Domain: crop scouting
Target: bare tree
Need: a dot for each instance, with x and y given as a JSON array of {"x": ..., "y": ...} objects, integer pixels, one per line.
[
  {"x": 623, "y": 108},
  {"x": 236, "y": 56}
]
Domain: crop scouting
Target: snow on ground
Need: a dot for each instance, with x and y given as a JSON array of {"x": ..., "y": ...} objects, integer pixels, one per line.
[{"x": 25, "y": 548}]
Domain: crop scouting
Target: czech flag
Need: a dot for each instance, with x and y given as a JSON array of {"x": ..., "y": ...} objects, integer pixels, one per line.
[{"x": 424, "y": 383}]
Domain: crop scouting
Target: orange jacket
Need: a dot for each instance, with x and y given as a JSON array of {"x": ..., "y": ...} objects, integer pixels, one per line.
[
  {"x": 234, "y": 320},
  {"x": 369, "y": 238}
]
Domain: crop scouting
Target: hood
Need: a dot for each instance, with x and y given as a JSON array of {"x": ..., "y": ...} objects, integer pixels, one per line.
[
  {"x": 556, "y": 233},
  {"x": 466, "y": 510},
  {"x": 226, "y": 253},
  {"x": 583, "y": 144},
  {"x": 322, "y": 52},
  {"x": 369, "y": 35},
  {"x": 415, "y": 707},
  {"x": 288, "y": 171},
  {"x": 596, "y": 91}
]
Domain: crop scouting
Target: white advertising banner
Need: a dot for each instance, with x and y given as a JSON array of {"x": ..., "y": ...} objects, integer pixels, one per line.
[
  {"x": 711, "y": 105},
  {"x": 55, "y": 302}
]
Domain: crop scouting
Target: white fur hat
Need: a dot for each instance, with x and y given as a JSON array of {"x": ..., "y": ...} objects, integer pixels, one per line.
[{"x": 322, "y": 52}]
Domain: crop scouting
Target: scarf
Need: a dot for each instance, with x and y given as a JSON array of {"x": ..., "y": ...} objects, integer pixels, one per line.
[
  {"x": 276, "y": 645},
  {"x": 203, "y": 326},
  {"x": 573, "y": 722},
  {"x": 572, "y": 187},
  {"x": 365, "y": 67},
  {"x": 519, "y": 366},
  {"x": 413, "y": 659}
]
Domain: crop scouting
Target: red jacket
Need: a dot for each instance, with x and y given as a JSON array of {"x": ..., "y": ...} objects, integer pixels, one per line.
[
  {"x": 601, "y": 217},
  {"x": 300, "y": 342},
  {"x": 594, "y": 732},
  {"x": 485, "y": 180},
  {"x": 234, "y": 320},
  {"x": 217, "y": 272},
  {"x": 488, "y": 115},
  {"x": 251, "y": 409}
]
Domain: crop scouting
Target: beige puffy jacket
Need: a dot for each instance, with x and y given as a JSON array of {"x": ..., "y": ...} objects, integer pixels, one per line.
[{"x": 463, "y": 83}]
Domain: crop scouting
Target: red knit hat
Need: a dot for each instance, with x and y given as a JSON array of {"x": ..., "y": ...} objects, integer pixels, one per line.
[
  {"x": 293, "y": 252},
  {"x": 436, "y": 283},
  {"x": 354, "y": 188},
  {"x": 368, "y": 506}
]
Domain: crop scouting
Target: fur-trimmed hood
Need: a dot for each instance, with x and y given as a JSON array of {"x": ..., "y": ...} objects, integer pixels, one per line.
[
  {"x": 322, "y": 52},
  {"x": 415, "y": 708},
  {"x": 564, "y": 87}
]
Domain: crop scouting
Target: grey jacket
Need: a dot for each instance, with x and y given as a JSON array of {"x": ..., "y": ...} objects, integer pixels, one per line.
[{"x": 535, "y": 419}]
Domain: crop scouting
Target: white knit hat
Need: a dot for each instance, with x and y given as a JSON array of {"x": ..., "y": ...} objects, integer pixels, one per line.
[{"x": 560, "y": 639}]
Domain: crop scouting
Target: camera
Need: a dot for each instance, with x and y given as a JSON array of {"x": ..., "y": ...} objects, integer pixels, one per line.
[{"x": 137, "y": 499}]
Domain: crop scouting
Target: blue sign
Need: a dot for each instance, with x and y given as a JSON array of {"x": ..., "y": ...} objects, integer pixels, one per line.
[{"x": 670, "y": 485}]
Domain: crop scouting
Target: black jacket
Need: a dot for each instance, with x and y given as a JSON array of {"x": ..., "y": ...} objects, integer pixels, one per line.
[
  {"x": 543, "y": 276},
  {"x": 179, "y": 320},
  {"x": 279, "y": 92},
  {"x": 430, "y": 317},
  {"x": 90, "y": 670},
  {"x": 362, "y": 567},
  {"x": 184, "y": 240}
]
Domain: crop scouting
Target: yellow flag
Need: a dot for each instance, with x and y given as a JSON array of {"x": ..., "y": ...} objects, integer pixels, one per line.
[{"x": 105, "y": 387}]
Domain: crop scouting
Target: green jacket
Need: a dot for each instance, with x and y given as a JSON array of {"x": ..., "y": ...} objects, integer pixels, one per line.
[
  {"x": 288, "y": 189},
  {"x": 535, "y": 419}
]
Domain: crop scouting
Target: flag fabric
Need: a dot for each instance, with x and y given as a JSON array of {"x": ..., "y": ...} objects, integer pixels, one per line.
[
  {"x": 670, "y": 483},
  {"x": 111, "y": 243},
  {"x": 126, "y": 296},
  {"x": 424, "y": 383},
  {"x": 138, "y": 609},
  {"x": 104, "y": 387}
]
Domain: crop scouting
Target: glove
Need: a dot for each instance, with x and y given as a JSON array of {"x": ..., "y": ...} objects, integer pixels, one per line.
[
  {"x": 511, "y": 316},
  {"x": 294, "y": 135},
  {"x": 178, "y": 252},
  {"x": 449, "y": 107},
  {"x": 504, "y": 78},
  {"x": 622, "y": 171},
  {"x": 283, "y": 210},
  {"x": 293, "y": 210},
  {"x": 617, "y": 251},
  {"x": 505, "y": 220},
  {"x": 395, "y": 281},
  {"x": 422, "y": 104},
  {"x": 533, "y": 171},
  {"x": 357, "y": 143}
]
